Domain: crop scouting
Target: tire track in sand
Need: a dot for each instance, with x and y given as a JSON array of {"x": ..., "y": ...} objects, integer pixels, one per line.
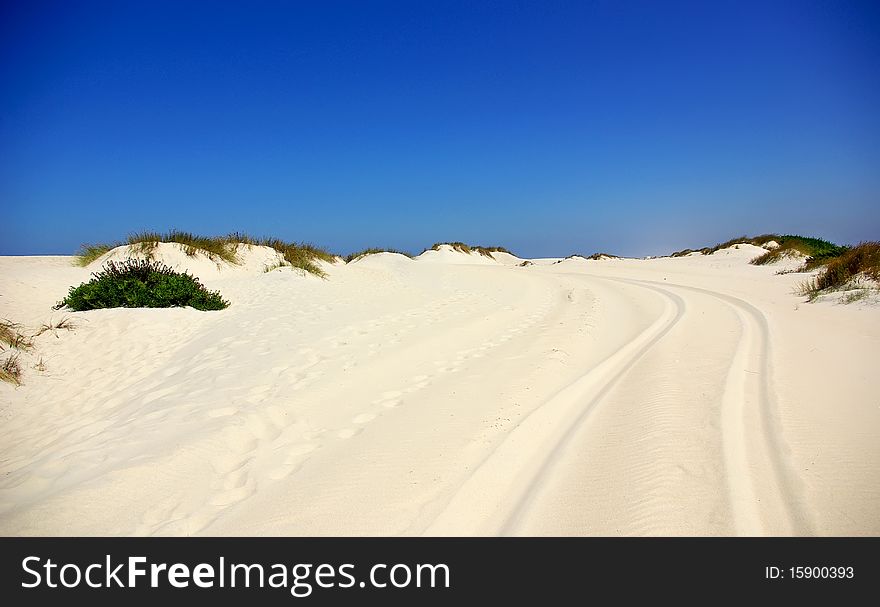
[
  {"x": 495, "y": 488},
  {"x": 750, "y": 383}
]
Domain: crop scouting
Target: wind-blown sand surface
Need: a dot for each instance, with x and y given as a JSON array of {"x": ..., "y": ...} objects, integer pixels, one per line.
[{"x": 450, "y": 394}]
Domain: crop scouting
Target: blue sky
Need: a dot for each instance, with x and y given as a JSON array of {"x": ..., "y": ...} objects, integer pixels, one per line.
[{"x": 549, "y": 127}]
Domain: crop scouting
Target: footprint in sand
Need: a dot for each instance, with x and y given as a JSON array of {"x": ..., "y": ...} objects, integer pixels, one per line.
[
  {"x": 363, "y": 418},
  {"x": 222, "y": 412},
  {"x": 348, "y": 432}
]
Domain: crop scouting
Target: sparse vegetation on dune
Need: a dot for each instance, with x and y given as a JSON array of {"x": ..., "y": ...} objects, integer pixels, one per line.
[
  {"x": 462, "y": 247},
  {"x": 141, "y": 284},
  {"x": 12, "y": 337},
  {"x": 10, "y": 369},
  {"x": 816, "y": 251},
  {"x": 297, "y": 255},
  {"x": 216, "y": 248},
  {"x": 212, "y": 247},
  {"x": 593, "y": 257},
  {"x": 90, "y": 252},
  {"x": 758, "y": 241},
  {"x": 372, "y": 251},
  {"x": 861, "y": 261},
  {"x": 65, "y": 323}
]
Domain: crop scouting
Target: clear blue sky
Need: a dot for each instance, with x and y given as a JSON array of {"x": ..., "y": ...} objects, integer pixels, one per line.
[{"x": 549, "y": 127}]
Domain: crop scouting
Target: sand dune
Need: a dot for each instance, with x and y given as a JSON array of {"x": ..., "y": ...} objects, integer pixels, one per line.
[{"x": 446, "y": 394}]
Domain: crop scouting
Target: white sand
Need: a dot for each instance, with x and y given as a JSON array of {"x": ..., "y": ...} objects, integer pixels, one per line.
[{"x": 450, "y": 394}]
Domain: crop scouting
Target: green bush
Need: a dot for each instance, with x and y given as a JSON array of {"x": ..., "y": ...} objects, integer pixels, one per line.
[{"x": 141, "y": 284}]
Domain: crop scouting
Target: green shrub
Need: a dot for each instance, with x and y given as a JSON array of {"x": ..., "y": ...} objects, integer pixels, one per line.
[{"x": 141, "y": 284}]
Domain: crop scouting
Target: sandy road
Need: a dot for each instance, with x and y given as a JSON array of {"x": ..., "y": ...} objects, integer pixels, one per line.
[
  {"x": 702, "y": 457},
  {"x": 402, "y": 397}
]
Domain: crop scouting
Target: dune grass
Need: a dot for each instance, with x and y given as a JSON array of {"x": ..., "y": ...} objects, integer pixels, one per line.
[
  {"x": 12, "y": 337},
  {"x": 462, "y": 247},
  {"x": 10, "y": 369},
  {"x": 816, "y": 250},
  {"x": 213, "y": 247},
  {"x": 65, "y": 323},
  {"x": 593, "y": 257},
  {"x": 297, "y": 255},
  {"x": 860, "y": 261},
  {"x": 90, "y": 252},
  {"x": 758, "y": 241},
  {"x": 372, "y": 251},
  {"x": 217, "y": 248}
]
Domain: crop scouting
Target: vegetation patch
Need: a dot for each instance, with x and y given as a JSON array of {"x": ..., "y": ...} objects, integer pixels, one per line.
[
  {"x": 816, "y": 250},
  {"x": 12, "y": 337},
  {"x": 373, "y": 251},
  {"x": 53, "y": 326},
  {"x": 216, "y": 248},
  {"x": 138, "y": 283},
  {"x": 758, "y": 241},
  {"x": 462, "y": 247},
  {"x": 90, "y": 252},
  {"x": 10, "y": 369},
  {"x": 859, "y": 262}
]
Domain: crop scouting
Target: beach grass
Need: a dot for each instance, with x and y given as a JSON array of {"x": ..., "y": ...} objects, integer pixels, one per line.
[
  {"x": 816, "y": 250},
  {"x": 372, "y": 251},
  {"x": 858, "y": 262},
  {"x": 462, "y": 247},
  {"x": 12, "y": 337},
  {"x": 90, "y": 252},
  {"x": 65, "y": 323},
  {"x": 10, "y": 369},
  {"x": 217, "y": 248}
]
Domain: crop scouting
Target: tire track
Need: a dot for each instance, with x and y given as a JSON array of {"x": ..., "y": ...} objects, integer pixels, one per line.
[
  {"x": 512, "y": 460},
  {"x": 744, "y": 495}
]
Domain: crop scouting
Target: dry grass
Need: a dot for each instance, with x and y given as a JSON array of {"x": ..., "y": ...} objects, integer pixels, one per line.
[
  {"x": 90, "y": 252},
  {"x": 816, "y": 250},
  {"x": 65, "y": 323},
  {"x": 11, "y": 335},
  {"x": 40, "y": 366},
  {"x": 10, "y": 369},
  {"x": 861, "y": 261},
  {"x": 216, "y": 248},
  {"x": 758, "y": 241},
  {"x": 373, "y": 251},
  {"x": 462, "y": 247}
]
